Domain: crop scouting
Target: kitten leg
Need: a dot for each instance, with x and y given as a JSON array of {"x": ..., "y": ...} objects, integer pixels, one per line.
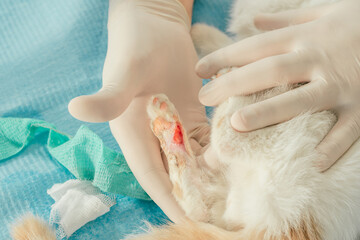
[
  {"x": 208, "y": 39},
  {"x": 184, "y": 172}
]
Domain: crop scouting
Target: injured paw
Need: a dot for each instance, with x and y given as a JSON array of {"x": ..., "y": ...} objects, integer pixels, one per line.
[{"x": 166, "y": 125}]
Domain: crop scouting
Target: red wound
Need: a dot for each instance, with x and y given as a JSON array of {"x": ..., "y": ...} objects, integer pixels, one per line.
[{"x": 178, "y": 135}]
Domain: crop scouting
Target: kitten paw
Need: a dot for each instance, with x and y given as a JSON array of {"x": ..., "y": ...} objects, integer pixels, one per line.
[{"x": 166, "y": 126}]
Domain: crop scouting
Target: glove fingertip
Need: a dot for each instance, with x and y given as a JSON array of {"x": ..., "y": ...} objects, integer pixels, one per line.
[
  {"x": 98, "y": 107},
  {"x": 202, "y": 68},
  {"x": 238, "y": 122},
  {"x": 322, "y": 164},
  {"x": 76, "y": 106},
  {"x": 324, "y": 160},
  {"x": 206, "y": 96},
  {"x": 259, "y": 20}
]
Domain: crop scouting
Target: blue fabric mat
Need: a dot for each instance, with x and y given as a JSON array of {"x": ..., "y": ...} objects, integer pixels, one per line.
[{"x": 51, "y": 52}]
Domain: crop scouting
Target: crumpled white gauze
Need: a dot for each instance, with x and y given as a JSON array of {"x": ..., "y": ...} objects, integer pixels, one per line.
[{"x": 77, "y": 202}]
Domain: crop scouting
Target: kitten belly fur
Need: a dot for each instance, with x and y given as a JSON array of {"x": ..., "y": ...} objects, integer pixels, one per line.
[
  {"x": 273, "y": 184},
  {"x": 244, "y": 11}
]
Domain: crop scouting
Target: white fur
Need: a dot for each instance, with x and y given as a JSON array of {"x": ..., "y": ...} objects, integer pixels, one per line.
[
  {"x": 272, "y": 184},
  {"x": 244, "y": 12}
]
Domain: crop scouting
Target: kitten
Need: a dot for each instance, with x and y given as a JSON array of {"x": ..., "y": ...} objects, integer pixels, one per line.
[{"x": 265, "y": 184}]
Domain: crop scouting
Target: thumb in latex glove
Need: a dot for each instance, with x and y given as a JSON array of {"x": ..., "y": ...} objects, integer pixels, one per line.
[
  {"x": 149, "y": 52},
  {"x": 320, "y": 46}
]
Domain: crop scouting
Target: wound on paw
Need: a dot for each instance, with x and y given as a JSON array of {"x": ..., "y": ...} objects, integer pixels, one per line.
[{"x": 178, "y": 135}]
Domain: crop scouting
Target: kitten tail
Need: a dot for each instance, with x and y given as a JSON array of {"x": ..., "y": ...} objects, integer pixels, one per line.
[
  {"x": 30, "y": 227},
  {"x": 187, "y": 230}
]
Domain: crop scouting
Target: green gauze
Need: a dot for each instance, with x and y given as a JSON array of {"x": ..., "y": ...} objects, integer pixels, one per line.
[{"x": 84, "y": 155}]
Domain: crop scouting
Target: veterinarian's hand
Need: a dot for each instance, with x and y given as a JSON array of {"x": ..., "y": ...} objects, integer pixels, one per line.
[
  {"x": 320, "y": 46},
  {"x": 150, "y": 51}
]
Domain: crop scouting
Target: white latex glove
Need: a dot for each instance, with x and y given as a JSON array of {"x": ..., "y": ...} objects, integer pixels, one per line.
[
  {"x": 150, "y": 51},
  {"x": 320, "y": 46}
]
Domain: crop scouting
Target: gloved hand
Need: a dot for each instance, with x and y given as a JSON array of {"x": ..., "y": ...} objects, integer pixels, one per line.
[
  {"x": 320, "y": 46},
  {"x": 150, "y": 51}
]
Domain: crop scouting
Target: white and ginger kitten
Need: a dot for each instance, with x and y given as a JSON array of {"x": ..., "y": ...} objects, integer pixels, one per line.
[{"x": 263, "y": 184}]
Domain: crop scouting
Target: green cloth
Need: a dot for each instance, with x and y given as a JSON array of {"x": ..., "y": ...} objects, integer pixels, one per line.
[{"x": 84, "y": 155}]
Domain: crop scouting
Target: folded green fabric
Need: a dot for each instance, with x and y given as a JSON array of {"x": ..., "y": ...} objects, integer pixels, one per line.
[{"x": 84, "y": 155}]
